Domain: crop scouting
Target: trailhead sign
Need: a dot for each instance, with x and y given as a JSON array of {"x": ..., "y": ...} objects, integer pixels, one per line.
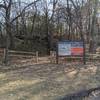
[{"x": 70, "y": 48}]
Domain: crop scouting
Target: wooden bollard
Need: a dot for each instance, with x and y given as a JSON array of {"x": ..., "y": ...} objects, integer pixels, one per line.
[
  {"x": 51, "y": 56},
  {"x": 5, "y": 56},
  {"x": 37, "y": 54}
]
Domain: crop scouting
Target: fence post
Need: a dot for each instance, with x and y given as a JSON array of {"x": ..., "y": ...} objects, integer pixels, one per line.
[
  {"x": 51, "y": 56},
  {"x": 2, "y": 54},
  {"x": 5, "y": 56},
  {"x": 37, "y": 55}
]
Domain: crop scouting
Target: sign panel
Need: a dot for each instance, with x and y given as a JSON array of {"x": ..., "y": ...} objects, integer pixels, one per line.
[
  {"x": 69, "y": 48},
  {"x": 77, "y": 48},
  {"x": 64, "y": 49}
]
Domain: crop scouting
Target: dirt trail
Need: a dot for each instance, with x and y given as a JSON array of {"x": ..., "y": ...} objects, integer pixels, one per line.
[{"x": 46, "y": 81}]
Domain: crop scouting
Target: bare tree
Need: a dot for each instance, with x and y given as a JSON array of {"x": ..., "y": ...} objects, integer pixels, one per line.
[{"x": 48, "y": 20}]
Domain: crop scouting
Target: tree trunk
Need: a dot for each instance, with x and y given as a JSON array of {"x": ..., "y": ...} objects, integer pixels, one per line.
[
  {"x": 8, "y": 32},
  {"x": 93, "y": 25}
]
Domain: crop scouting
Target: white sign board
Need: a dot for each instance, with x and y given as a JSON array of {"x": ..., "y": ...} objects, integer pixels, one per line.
[{"x": 64, "y": 49}]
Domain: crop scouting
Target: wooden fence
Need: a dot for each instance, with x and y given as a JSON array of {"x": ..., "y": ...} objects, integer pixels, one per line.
[
  {"x": 89, "y": 57},
  {"x": 23, "y": 55},
  {"x": 19, "y": 55}
]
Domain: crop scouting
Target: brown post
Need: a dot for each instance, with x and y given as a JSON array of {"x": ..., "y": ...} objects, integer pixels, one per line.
[
  {"x": 51, "y": 56},
  {"x": 5, "y": 56},
  {"x": 37, "y": 54},
  {"x": 57, "y": 56}
]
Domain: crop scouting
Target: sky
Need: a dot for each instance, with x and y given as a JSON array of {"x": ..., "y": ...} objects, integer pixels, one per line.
[{"x": 49, "y": 5}]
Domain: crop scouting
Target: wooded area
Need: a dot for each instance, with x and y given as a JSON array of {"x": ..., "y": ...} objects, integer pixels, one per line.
[
  {"x": 37, "y": 25},
  {"x": 49, "y": 49}
]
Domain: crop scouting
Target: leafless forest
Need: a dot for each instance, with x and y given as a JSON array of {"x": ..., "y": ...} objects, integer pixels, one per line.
[{"x": 35, "y": 27}]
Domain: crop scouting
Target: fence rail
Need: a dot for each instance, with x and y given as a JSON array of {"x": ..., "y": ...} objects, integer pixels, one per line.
[{"x": 21, "y": 52}]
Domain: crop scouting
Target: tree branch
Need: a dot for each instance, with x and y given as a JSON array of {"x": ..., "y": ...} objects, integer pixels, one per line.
[{"x": 24, "y": 10}]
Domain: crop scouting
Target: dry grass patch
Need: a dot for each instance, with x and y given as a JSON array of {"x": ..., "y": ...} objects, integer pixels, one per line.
[{"x": 47, "y": 81}]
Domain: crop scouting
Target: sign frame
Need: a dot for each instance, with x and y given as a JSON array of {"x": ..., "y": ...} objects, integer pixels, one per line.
[{"x": 70, "y": 55}]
